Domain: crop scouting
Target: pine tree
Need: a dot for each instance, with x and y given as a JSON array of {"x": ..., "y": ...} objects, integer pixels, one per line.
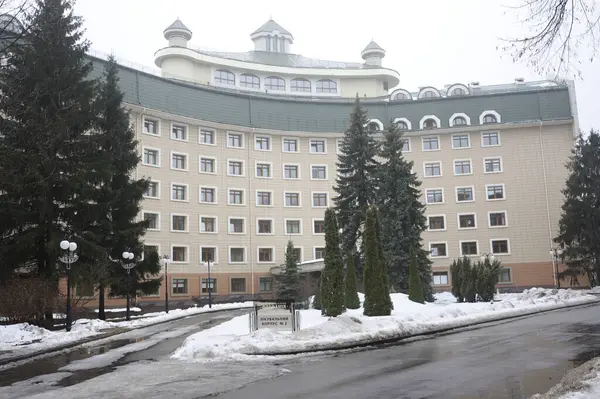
[
  {"x": 579, "y": 234},
  {"x": 47, "y": 156},
  {"x": 317, "y": 300},
  {"x": 399, "y": 202},
  {"x": 352, "y": 301},
  {"x": 377, "y": 298},
  {"x": 289, "y": 282},
  {"x": 332, "y": 283},
  {"x": 415, "y": 288},
  {"x": 355, "y": 184}
]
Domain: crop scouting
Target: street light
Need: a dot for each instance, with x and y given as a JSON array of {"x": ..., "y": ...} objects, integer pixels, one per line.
[
  {"x": 166, "y": 262},
  {"x": 209, "y": 283},
  {"x": 68, "y": 258},
  {"x": 128, "y": 256},
  {"x": 489, "y": 257},
  {"x": 555, "y": 254}
]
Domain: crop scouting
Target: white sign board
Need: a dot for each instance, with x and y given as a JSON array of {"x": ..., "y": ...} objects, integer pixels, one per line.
[{"x": 275, "y": 320}]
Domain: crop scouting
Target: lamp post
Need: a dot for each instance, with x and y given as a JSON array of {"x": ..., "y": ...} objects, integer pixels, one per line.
[
  {"x": 68, "y": 258},
  {"x": 490, "y": 256},
  {"x": 555, "y": 254},
  {"x": 166, "y": 262},
  {"x": 209, "y": 283},
  {"x": 128, "y": 264}
]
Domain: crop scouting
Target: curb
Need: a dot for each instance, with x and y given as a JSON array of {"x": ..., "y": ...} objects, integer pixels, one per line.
[
  {"x": 399, "y": 338},
  {"x": 118, "y": 330}
]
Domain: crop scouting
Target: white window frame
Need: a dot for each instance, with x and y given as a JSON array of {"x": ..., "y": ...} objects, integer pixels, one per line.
[
  {"x": 214, "y": 132},
  {"x": 425, "y": 163},
  {"x": 495, "y": 199},
  {"x": 314, "y": 251},
  {"x": 216, "y": 224},
  {"x": 158, "y": 156},
  {"x": 301, "y": 248},
  {"x": 443, "y": 215},
  {"x": 442, "y": 272},
  {"x": 459, "y": 214},
  {"x": 319, "y": 165},
  {"x": 200, "y": 157},
  {"x": 510, "y": 269},
  {"x": 263, "y": 136},
  {"x": 462, "y": 160},
  {"x": 490, "y": 158},
  {"x": 187, "y": 255},
  {"x": 158, "y": 188},
  {"x": 258, "y": 261},
  {"x": 489, "y": 112},
  {"x": 500, "y": 239},
  {"x": 312, "y": 193},
  {"x": 439, "y": 257},
  {"x": 312, "y": 226},
  {"x": 150, "y": 244},
  {"x": 230, "y": 247},
  {"x": 290, "y": 138},
  {"x": 229, "y": 232},
  {"x": 272, "y": 226},
  {"x": 187, "y": 222},
  {"x": 405, "y": 120},
  {"x": 430, "y": 136},
  {"x": 460, "y": 248},
  {"x": 243, "y": 167},
  {"x": 409, "y": 144},
  {"x": 200, "y": 195},
  {"x": 338, "y": 143},
  {"x": 244, "y": 199},
  {"x": 145, "y": 211},
  {"x": 456, "y": 194},
  {"x": 264, "y": 191},
  {"x": 461, "y": 134},
  {"x": 187, "y": 191},
  {"x": 186, "y": 128},
  {"x": 290, "y": 178},
  {"x": 426, "y": 117},
  {"x": 285, "y": 227},
  {"x": 212, "y": 262},
  {"x": 187, "y": 161},
  {"x": 158, "y": 123},
  {"x": 505, "y": 212},
  {"x": 459, "y": 114},
  {"x": 491, "y": 145},
  {"x": 299, "y": 199},
  {"x": 310, "y": 141},
  {"x": 270, "y": 169},
  {"x": 435, "y": 203},
  {"x": 243, "y": 140}
]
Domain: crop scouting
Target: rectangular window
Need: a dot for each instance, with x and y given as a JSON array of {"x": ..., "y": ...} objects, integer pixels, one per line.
[
  {"x": 263, "y": 170},
  {"x": 293, "y": 226},
  {"x": 263, "y": 198},
  {"x": 497, "y": 219},
  {"x": 435, "y": 196},
  {"x": 208, "y": 195},
  {"x": 207, "y": 136},
  {"x": 317, "y": 146},
  {"x": 208, "y": 224},
  {"x": 290, "y": 145},
  {"x": 264, "y": 226},
  {"x": 405, "y": 145},
  {"x": 468, "y": 248},
  {"x": 237, "y": 255},
  {"x": 179, "y": 254},
  {"x": 462, "y": 167},
  {"x": 505, "y": 276},
  {"x": 265, "y": 284},
  {"x": 320, "y": 253},
  {"x": 319, "y": 200},
  {"x": 467, "y": 221},
  {"x": 178, "y": 161},
  {"x": 179, "y": 192},
  {"x": 290, "y": 172},
  {"x": 238, "y": 284},
  {"x": 151, "y": 157},
  {"x": 178, "y": 223},
  {"x": 207, "y": 165},
  {"x": 431, "y": 143},
  {"x": 265, "y": 255},
  {"x": 297, "y": 254},
  {"x": 492, "y": 165},
  {"x": 208, "y": 254},
  {"x": 235, "y": 168},
  {"x": 490, "y": 139},
  {"x": 495, "y": 192},
  {"x": 292, "y": 199},
  {"x": 153, "y": 190},
  {"x": 500, "y": 247},
  {"x": 440, "y": 278},
  {"x": 236, "y": 197},
  {"x": 318, "y": 226},
  {"x": 149, "y": 249},
  {"x": 263, "y": 143},
  {"x": 180, "y": 286},
  {"x": 152, "y": 219},
  {"x": 319, "y": 172},
  {"x": 151, "y": 126},
  {"x": 179, "y": 132},
  {"x": 460, "y": 141},
  {"x": 438, "y": 249},
  {"x": 236, "y": 226},
  {"x": 437, "y": 222},
  {"x": 235, "y": 140},
  {"x": 464, "y": 194},
  {"x": 209, "y": 286},
  {"x": 433, "y": 169}
]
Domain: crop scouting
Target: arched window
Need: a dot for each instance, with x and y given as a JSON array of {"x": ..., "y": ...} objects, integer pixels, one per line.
[
  {"x": 459, "y": 121},
  {"x": 300, "y": 85},
  {"x": 249, "y": 80},
  {"x": 430, "y": 94},
  {"x": 401, "y": 125},
  {"x": 373, "y": 127},
  {"x": 326, "y": 86},
  {"x": 400, "y": 96},
  {"x": 430, "y": 124},
  {"x": 489, "y": 118},
  {"x": 459, "y": 91},
  {"x": 275, "y": 83},
  {"x": 224, "y": 77}
]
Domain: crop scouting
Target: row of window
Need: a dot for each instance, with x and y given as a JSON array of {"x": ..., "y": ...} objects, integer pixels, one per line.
[
  {"x": 463, "y": 167},
  {"x": 179, "y": 223},
  {"x": 442, "y": 278},
  {"x": 456, "y": 90},
  {"x": 467, "y": 221},
  {"x": 237, "y": 285},
  {"x": 274, "y": 83},
  {"x": 493, "y": 192},
  {"x": 498, "y": 246}
]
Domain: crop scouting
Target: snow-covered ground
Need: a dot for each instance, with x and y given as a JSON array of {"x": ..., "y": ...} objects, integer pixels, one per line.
[
  {"x": 582, "y": 382},
  {"x": 233, "y": 340},
  {"x": 24, "y": 338}
]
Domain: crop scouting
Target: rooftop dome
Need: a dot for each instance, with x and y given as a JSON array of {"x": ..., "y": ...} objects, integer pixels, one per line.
[
  {"x": 372, "y": 49},
  {"x": 177, "y": 28}
]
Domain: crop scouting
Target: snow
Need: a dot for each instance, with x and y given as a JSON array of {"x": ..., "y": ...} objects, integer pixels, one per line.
[
  {"x": 25, "y": 338},
  {"x": 582, "y": 382},
  {"x": 233, "y": 340},
  {"x": 134, "y": 309}
]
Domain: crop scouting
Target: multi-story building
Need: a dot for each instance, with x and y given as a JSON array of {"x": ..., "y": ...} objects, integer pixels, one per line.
[{"x": 241, "y": 149}]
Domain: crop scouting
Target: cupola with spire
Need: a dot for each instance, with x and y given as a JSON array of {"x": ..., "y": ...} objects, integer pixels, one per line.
[
  {"x": 272, "y": 37},
  {"x": 177, "y": 34},
  {"x": 373, "y": 54}
]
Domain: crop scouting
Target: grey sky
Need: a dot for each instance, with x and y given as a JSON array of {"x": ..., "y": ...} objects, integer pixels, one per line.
[{"x": 429, "y": 42}]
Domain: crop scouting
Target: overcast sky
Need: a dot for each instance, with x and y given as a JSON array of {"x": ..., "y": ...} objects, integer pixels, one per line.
[{"x": 429, "y": 42}]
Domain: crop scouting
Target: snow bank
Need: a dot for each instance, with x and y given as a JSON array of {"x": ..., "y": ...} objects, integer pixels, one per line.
[
  {"x": 134, "y": 309},
  {"x": 582, "y": 382},
  {"x": 233, "y": 340}
]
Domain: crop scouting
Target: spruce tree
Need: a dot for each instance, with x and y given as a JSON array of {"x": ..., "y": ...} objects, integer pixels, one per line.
[
  {"x": 289, "y": 282},
  {"x": 48, "y": 157},
  {"x": 579, "y": 234},
  {"x": 399, "y": 202},
  {"x": 332, "y": 283},
  {"x": 355, "y": 184},
  {"x": 415, "y": 288},
  {"x": 352, "y": 300},
  {"x": 377, "y": 298},
  {"x": 317, "y": 299}
]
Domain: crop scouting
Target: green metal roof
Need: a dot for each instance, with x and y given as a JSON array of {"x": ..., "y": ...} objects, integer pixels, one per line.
[{"x": 271, "y": 26}]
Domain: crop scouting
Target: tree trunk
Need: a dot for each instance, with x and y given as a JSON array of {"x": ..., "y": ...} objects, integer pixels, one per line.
[{"x": 101, "y": 314}]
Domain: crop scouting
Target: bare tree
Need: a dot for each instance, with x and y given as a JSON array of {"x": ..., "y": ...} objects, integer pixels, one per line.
[{"x": 562, "y": 32}]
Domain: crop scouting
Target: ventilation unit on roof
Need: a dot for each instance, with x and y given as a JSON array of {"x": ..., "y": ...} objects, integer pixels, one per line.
[
  {"x": 474, "y": 84},
  {"x": 519, "y": 80}
]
